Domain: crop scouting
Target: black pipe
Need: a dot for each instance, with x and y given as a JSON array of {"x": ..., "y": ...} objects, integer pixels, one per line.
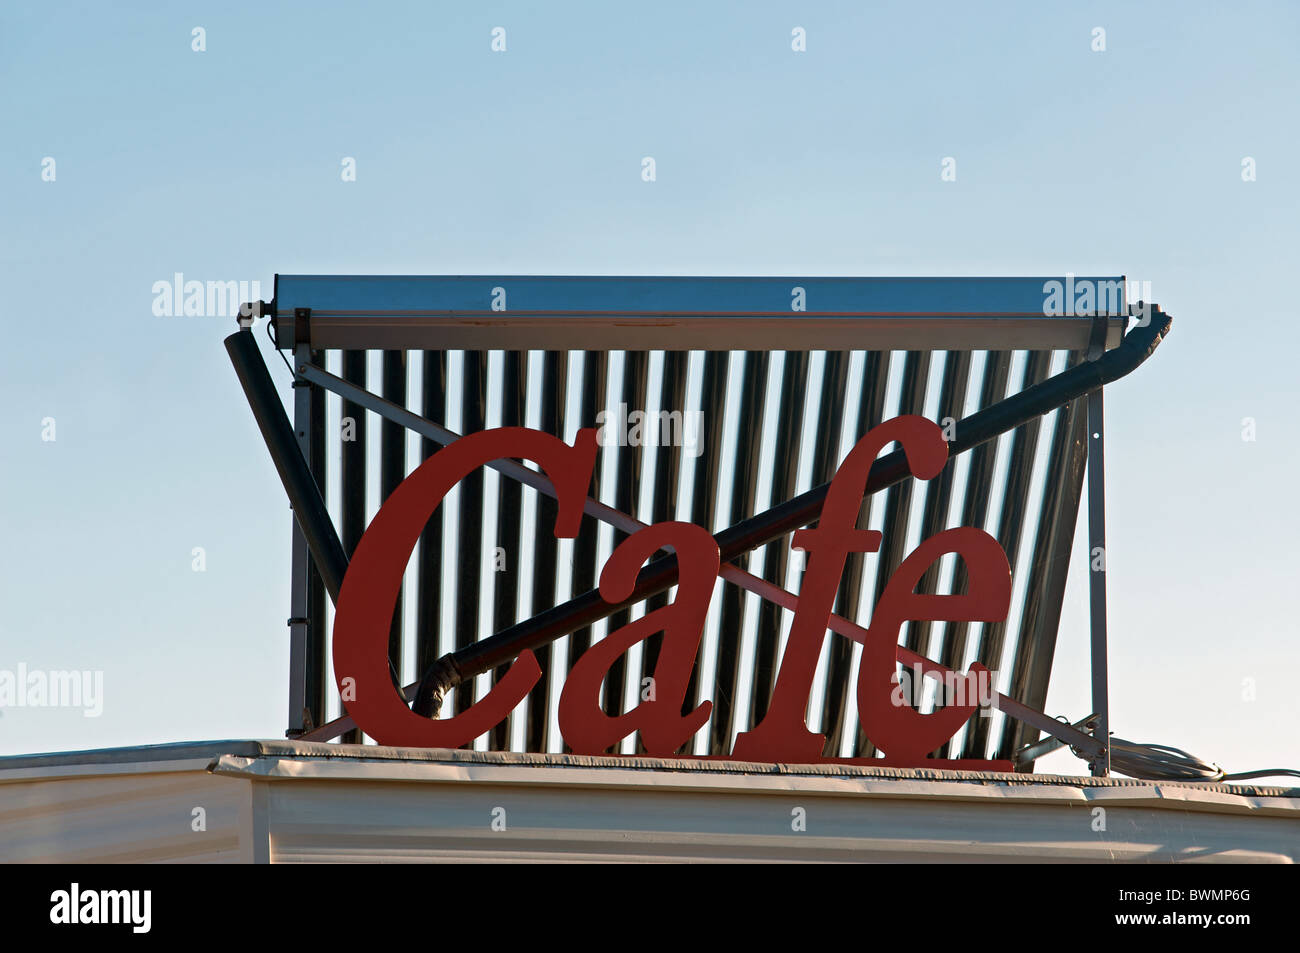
[
  {"x": 304, "y": 495},
  {"x": 980, "y": 427},
  {"x": 305, "y": 498}
]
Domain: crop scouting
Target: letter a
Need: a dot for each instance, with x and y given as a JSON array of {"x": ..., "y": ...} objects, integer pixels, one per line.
[{"x": 664, "y": 729}]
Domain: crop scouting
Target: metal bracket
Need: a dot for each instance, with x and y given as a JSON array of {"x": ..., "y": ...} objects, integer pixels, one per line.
[
  {"x": 301, "y": 328},
  {"x": 250, "y": 311},
  {"x": 1097, "y": 337},
  {"x": 1032, "y": 752}
]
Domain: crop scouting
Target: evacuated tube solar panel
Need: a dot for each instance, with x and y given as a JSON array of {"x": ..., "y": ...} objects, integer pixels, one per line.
[
  {"x": 524, "y": 396},
  {"x": 830, "y": 401}
]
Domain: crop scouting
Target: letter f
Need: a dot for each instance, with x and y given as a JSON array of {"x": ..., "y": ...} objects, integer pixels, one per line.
[{"x": 783, "y": 733}]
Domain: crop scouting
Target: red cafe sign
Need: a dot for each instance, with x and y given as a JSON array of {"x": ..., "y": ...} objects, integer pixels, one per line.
[{"x": 905, "y": 735}]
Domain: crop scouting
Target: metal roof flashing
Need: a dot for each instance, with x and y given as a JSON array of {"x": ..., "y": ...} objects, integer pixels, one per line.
[{"x": 266, "y": 758}]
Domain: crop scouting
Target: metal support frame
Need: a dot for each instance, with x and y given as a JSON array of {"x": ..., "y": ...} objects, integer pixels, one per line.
[
  {"x": 299, "y": 599},
  {"x": 299, "y": 621},
  {"x": 1100, "y": 762},
  {"x": 1053, "y": 550}
]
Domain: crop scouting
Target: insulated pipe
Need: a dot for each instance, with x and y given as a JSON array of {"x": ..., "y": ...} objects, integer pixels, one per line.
[
  {"x": 299, "y": 485},
  {"x": 304, "y": 495}
]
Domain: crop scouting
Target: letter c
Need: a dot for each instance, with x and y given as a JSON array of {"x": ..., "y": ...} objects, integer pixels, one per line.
[{"x": 369, "y": 593}]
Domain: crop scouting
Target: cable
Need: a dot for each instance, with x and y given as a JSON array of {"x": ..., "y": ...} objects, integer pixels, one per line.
[
  {"x": 1264, "y": 773},
  {"x": 276, "y": 346},
  {"x": 1160, "y": 762},
  {"x": 1163, "y": 763}
]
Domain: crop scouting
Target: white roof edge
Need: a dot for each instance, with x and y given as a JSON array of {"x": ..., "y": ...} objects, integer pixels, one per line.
[
  {"x": 989, "y": 787},
  {"x": 285, "y": 760}
]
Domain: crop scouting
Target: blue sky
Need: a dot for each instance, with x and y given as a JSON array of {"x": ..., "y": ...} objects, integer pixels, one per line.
[{"x": 225, "y": 165}]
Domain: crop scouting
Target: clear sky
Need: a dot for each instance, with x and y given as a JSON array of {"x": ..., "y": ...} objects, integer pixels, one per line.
[{"x": 225, "y": 165}]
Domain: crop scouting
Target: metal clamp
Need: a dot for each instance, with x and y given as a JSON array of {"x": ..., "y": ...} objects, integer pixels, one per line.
[
  {"x": 1032, "y": 752},
  {"x": 301, "y": 326},
  {"x": 1097, "y": 336}
]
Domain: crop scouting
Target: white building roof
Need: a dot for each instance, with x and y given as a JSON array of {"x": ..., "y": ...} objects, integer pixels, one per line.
[{"x": 285, "y": 801}]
